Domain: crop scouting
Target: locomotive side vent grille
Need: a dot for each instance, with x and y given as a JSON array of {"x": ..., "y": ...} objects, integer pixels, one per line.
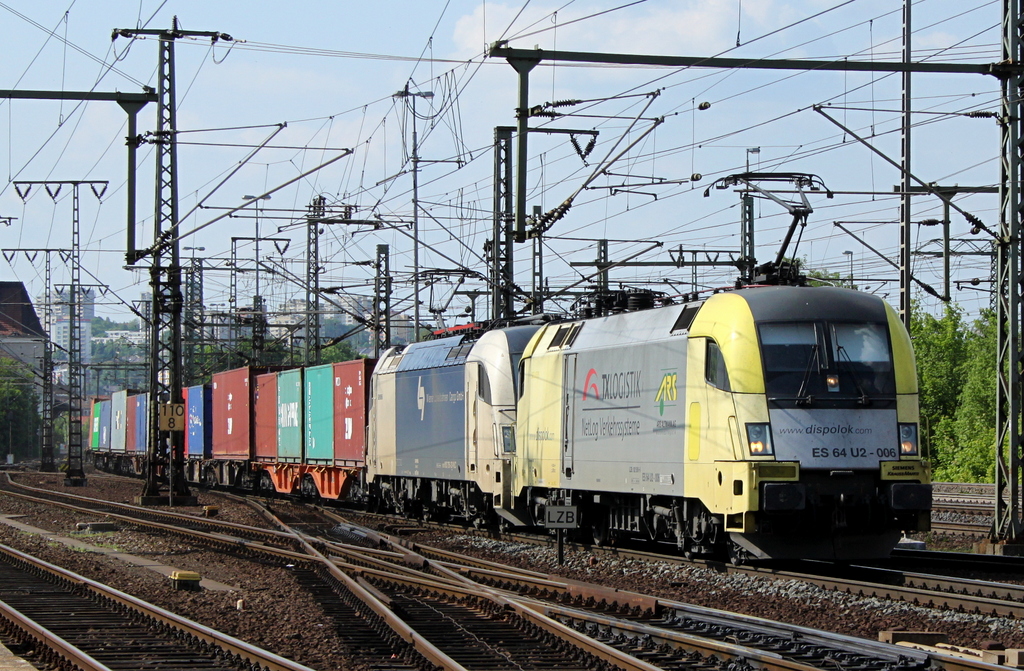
[
  {"x": 685, "y": 318},
  {"x": 572, "y": 336},
  {"x": 560, "y": 335}
]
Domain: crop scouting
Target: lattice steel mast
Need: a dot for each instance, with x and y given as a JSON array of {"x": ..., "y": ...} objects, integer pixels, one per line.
[
  {"x": 75, "y": 475},
  {"x": 1007, "y": 521},
  {"x": 165, "y": 453},
  {"x": 311, "y": 344}
]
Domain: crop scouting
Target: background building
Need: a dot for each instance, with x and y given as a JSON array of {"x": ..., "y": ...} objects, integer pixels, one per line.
[
  {"x": 21, "y": 333},
  {"x": 60, "y": 311}
]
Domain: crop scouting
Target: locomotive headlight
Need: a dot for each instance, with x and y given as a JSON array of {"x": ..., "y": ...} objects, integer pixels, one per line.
[
  {"x": 759, "y": 440},
  {"x": 908, "y": 439},
  {"x": 832, "y": 382}
]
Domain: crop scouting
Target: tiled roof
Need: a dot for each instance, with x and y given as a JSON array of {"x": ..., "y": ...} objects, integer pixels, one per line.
[{"x": 17, "y": 315}]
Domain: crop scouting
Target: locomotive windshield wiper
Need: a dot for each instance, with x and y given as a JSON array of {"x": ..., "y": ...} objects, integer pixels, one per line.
[
  {"x": 801, "y": 397},
  {"x": 848, "y": 364}
]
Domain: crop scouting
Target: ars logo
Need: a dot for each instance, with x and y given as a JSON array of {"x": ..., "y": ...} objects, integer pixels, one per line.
[{"x": 666, "y": 391}]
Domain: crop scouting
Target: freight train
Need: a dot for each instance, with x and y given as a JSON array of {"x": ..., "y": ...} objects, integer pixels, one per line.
[{"x": 763, "y": 422}]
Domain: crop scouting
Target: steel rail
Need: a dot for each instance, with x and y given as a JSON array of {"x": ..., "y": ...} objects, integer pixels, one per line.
[
  {"x": 965, "y": 528},
  {"x": 241, "y": 530},
  {"x": 510, "y": 584},
  {"x": 452, "y": 584},
  {"x": 914, "y": 592},
  {"x": 215, "y": 539},
  {"x": 468, "y": 590},
  {"x": 534, "y": 582},
  {"x": 48, "y": 640},
  {"x": 914, "y": 595},
  {"x": 370, "y": 599},
  {"x": 647, "y": 636},
  {"x": 255, "y": 657}
]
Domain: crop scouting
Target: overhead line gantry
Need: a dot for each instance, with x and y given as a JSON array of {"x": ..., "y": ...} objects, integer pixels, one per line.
[{"x": 1009, "y": 293}]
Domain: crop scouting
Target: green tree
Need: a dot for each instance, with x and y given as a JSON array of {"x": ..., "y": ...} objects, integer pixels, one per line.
[
  {"x": 101, "y": 325},
  {"x": 940, "y": 346},
  {"x": 965, "y": 443},
  {"x": 341, "y": 351}
]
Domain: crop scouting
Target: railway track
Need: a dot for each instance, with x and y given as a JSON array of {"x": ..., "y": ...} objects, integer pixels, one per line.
[
  {"x": 409, "y": 599},
  {"x": 914, "y": 587},
  {"x": 388, "y": 622},
  {"x": 469, "y": 628},
  {"x": 667, "y": 633},
  {"x": 73, "y": 622},
  {"x": 911, "y": 588}
]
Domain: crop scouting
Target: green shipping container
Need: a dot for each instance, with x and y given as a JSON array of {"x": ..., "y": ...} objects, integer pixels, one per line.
[
  {"x": 320, "y": 414},
  {"x": 290, "y": 414},
  {"x": 94, "y": 433}
]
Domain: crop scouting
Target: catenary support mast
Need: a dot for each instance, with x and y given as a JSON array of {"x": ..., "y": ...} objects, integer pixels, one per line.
[
  {"x": 1009, "y": 292},
  {"x": 1007, "y": 521},
  {"x": 165, "y": 452}
]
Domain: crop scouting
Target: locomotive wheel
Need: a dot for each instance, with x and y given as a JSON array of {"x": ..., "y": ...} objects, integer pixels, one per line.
[
  {"x": 599, "y": 529},
  {"x": 737, "y": 554}
]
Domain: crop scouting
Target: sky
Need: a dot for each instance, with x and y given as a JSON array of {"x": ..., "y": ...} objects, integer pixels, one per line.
[{"x": 314, "y": 82}]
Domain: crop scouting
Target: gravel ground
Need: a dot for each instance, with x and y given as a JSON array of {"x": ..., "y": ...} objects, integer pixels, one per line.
[
  {"x": 299, "y": 630},
  {"x": 276, "y": 614},
  {"x": 786, "y": 601}
]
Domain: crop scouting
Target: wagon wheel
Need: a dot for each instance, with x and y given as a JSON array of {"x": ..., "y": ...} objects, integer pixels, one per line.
[
  {"x": 265, "y": 485},
  {"x": 210, "y": 479},
  {"x": 308, "y": 489}
]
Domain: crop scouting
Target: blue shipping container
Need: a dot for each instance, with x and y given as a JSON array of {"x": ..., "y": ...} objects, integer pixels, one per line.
[
  {"x": 199, "y": 410},
  {"x": 141, "y": 421},
  {"x": 431, "y": 422}
]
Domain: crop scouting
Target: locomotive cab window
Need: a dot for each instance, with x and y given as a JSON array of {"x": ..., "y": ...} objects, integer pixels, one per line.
[
  {"x": 483, "y": 385},
  {"x": 714, "y": 367},
  {"x": 862, "y": 351},
  {"x": 804, "y": 361},
  {"x": 790, "y": 351}
]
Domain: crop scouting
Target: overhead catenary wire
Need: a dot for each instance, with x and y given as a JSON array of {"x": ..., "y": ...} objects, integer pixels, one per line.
[{"x": 393, "y": 199}]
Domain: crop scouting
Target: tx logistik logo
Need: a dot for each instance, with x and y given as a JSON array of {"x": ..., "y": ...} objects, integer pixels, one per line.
[
  {"x": 666, "y": 391},
  {"x": 589, "y": 384},
  {"x": 421, "y": 397}
]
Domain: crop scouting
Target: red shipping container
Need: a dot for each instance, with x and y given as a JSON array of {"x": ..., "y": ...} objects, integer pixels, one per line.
[
  {"x": 131, "y": 431},
  {"x": 232, "y": 412},
  {"x": 351, "y": 393},
  {"x": 234, "y": 405},
  {"x": 266, "y": 417}
]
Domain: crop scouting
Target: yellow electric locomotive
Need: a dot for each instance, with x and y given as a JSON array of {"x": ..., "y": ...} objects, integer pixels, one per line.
[{"x": 763, "y": 422}]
